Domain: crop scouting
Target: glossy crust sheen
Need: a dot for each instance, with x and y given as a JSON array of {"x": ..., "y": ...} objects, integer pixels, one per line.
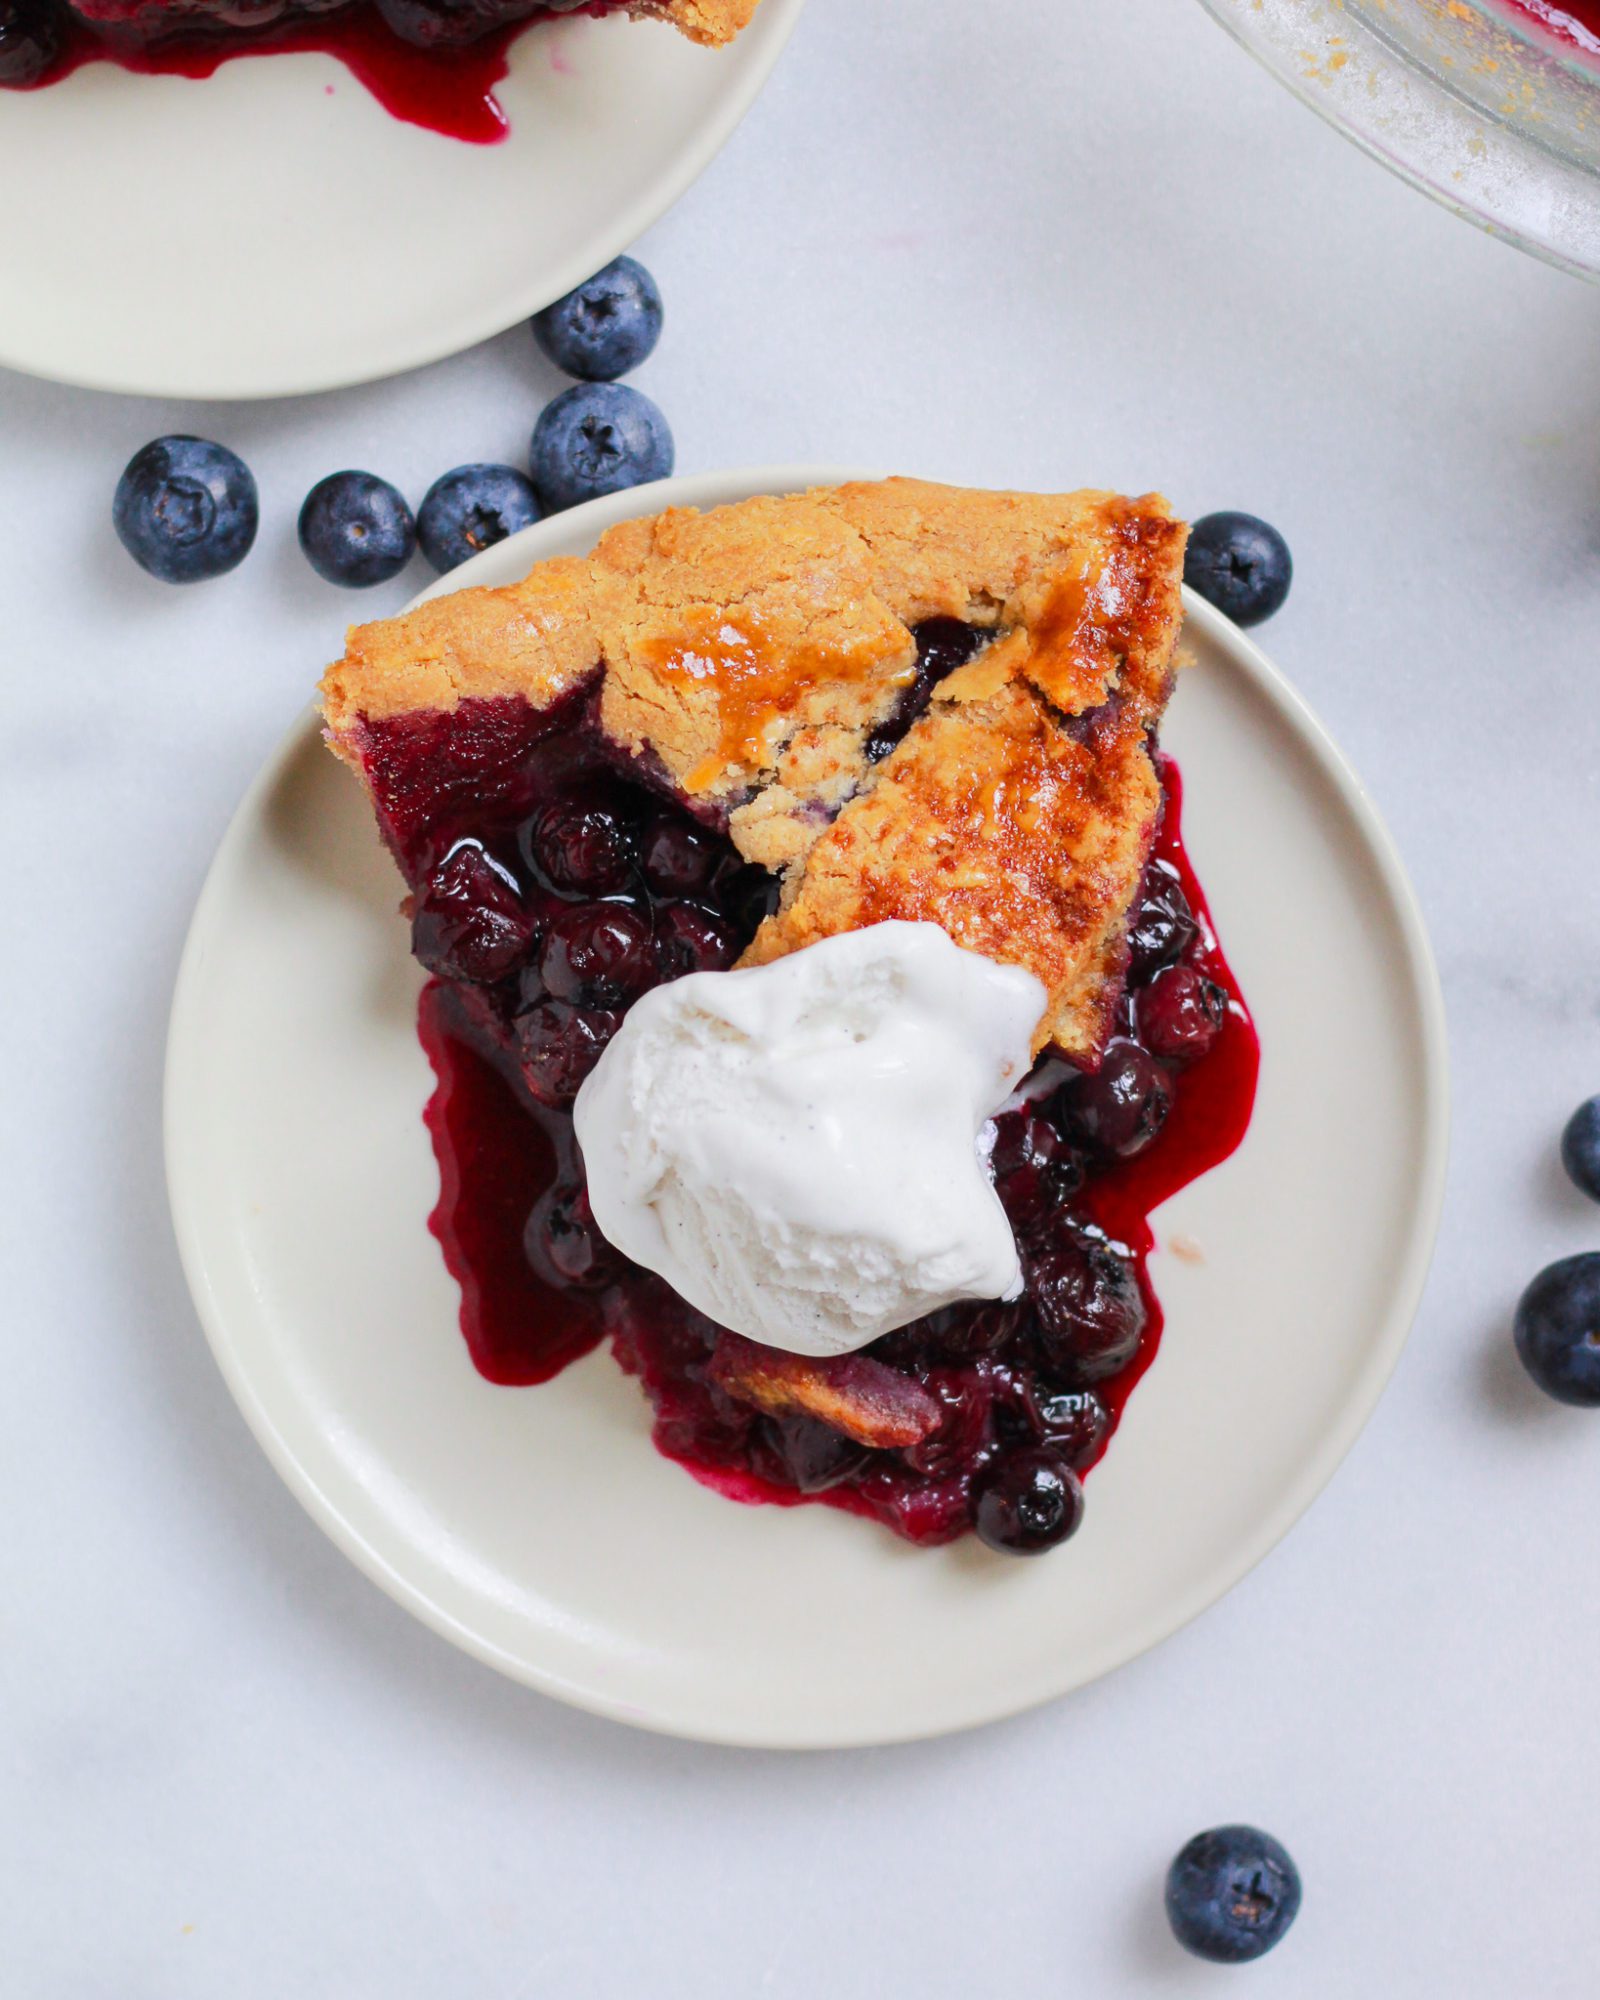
[{"x": 750, "y": 651}]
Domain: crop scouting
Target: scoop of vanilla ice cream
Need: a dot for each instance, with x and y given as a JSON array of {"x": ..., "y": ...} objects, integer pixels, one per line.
[{"x": 800, "y": 1148}]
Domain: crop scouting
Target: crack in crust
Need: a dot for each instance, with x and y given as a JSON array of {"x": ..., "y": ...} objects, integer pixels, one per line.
[{"x": 750, "y": 651}]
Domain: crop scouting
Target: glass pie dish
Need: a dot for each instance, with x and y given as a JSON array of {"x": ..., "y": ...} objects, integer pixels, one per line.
[{"x": 1490, "y": 106}]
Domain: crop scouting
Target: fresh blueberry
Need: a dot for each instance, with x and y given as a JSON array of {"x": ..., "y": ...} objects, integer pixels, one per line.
[
  {"x": 605, "y": 327},
  {"x": 469, "y": 509},
  {"x": 1029, "y": 1501},
  {"x": 31, "y": 34},
  {"x": 598, "y": 437},
  {"x": 1239, "y": 564},
  {"x": 1557, "y": 1330},
  {"x": 186, "y": 509},
  {"x": 356, "y": 529},
  {"x": 1580, "y": 1148},
  {"x": 1232, "y": 1893}
]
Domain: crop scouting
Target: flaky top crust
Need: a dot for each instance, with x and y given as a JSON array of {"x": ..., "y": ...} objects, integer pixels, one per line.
[{"x": 749, "y": 651}]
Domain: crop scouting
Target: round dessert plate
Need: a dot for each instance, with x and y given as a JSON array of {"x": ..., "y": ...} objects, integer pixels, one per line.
[
  {"x": 540, "y": 1530},
  {"x": 271, "y": 229}
]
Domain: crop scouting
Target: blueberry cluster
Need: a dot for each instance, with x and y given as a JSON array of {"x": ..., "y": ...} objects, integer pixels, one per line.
[
  {"x": 600, "y": 893},
  {"x": 1083, "y": 1313},
  {"x": 1557, "y": 1324},
  {"x": 186, "y": 509},
  {"x": 1027, "y": 1387}
]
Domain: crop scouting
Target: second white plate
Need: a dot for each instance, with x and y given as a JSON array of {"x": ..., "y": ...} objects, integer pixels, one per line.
[
  {"x": 271, "y": 229},
  {"x": 540, "y": 1530}
]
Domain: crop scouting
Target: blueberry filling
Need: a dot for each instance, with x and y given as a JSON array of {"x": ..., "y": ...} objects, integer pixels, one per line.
[
  {"x": 553, "y": 884},
  {"x": 943, "y": 644}
]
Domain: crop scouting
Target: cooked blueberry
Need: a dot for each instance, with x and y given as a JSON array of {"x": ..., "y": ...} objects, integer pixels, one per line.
[
  {"x": 468, "y": 510},
  {"x": 469, "y": 921},
  {"x": 689, "y": 1426},
  {"x": 943, "y": 644},
  {"x": 748, "y": 894},
  {"x": 1120, "y": 1107},
  {"x": 1075, "y": 1421},
  {"x": 1180, "y": 1014},
  {"x": 606, "y": 326},
  {"x": 1557, "y": 1329},
  {"x": 597, "y": 955},
  {"x": 583, "y": 841},
  {"x": 928, "y": 1512},
  {"x": 31, "y": 34},
  {"x": 186, "y": 509},
  {"x": 563, "y": 1243},
  {"x": 810, "y": 1456},
  {"x": 971, "y": 1332},
  {"x": 678, "y": 857},
  {"x": 1580, "y": 1148},
  {"x": 689, "y": 939},
  {"x": 960, "y": 1442},
  {"x": 356, "y": 529},
  {"x": 1231, "y": 1894},
  {"x": 596, "y": 438},
  {"x": 1163, "y": 924},
  {"x": 1029, "y": 1501},
  {"x": 1035, "y": 1168},
  {"x": 444, "y": 24},
  {"x": 559, "y": 1045},
  {"x": 1027, "y": 1139},
  {"x": 1239, "y": 564},
  {"x": 1087, "y": 1302}
]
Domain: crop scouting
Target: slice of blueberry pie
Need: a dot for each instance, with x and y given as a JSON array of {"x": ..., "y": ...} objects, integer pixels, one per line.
[{"x": 811, "y": 860}]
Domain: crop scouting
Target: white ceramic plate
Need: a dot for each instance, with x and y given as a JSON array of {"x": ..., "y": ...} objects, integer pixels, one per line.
[
  {"x": 541, "y": 1531},
  {"x": 272, "y": 229}
]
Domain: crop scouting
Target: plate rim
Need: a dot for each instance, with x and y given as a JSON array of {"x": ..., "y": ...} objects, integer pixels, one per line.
[
  {"x": 1297, "y": 1495},
  {"x": 657, "y": 194}
]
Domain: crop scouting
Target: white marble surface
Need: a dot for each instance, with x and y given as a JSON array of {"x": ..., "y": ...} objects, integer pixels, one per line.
[{"x": 1035, "y": 244}]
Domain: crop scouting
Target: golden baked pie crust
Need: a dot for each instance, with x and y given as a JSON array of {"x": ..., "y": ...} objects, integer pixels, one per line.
[{"x": 751, "y": 650}]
